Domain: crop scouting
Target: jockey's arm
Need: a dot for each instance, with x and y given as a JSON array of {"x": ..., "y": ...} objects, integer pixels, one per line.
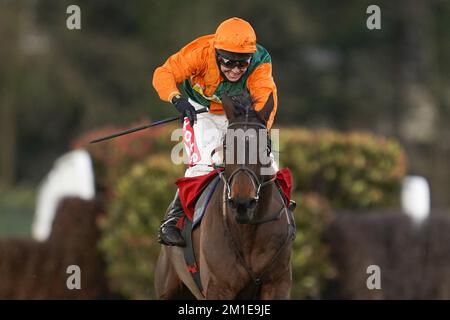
[
  {"x": 179, "y": 67},
  {"x": 260, "y": 85}
]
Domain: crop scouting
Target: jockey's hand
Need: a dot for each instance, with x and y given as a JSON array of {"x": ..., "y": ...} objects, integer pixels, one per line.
[{"x": 185, "y": 108}]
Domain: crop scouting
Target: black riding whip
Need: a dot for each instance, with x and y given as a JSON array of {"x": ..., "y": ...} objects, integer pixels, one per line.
[{"x": 143, "y": 127}]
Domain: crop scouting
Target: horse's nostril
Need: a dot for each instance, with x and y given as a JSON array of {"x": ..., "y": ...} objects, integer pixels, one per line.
[
  {"x": 232, "y": 203},
  {"x": 252, "y": 204},
  {"x": 242, "y": 204}
]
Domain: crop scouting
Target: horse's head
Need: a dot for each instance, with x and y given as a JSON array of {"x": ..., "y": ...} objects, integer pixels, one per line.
[{"x": 246, "y": 154}]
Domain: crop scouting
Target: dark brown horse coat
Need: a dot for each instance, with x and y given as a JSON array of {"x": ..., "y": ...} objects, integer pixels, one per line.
[{"x": 236, "y": 260}]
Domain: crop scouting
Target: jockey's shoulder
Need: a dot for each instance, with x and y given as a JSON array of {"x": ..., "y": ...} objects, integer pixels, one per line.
[{"x": 200, "y": 43}]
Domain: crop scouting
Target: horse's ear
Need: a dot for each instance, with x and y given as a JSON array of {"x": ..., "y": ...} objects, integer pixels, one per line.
[
  {"x": 228, "y": 107},
  {"x": 265, "y": 112}
]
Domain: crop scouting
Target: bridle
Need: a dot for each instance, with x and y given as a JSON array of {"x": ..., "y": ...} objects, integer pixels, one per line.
[{"x": 257, "y": 183}]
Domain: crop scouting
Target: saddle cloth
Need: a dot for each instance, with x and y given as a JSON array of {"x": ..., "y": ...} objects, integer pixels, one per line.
[{"x": 191, "y": 189}]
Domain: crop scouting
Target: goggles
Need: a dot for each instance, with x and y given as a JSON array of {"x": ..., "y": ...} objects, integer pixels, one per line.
[{"x": 231, "y": 64}]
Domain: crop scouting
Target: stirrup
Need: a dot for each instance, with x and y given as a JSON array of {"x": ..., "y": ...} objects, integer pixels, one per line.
[{"x": 171, "y": 229}]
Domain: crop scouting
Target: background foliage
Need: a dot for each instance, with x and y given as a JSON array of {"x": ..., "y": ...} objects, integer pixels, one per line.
[
  {"x": 131, "y": 228},
  {"x": 354, "y": 170}
]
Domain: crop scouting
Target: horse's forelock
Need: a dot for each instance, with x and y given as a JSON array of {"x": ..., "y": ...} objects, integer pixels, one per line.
[{"x": 243, "y": 104}]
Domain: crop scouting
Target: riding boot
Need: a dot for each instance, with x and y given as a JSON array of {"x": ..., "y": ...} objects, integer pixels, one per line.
[{"x": 169, "y": 233}]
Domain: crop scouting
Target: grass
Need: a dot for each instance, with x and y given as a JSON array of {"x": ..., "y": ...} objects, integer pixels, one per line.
[{"x": 16, "y": 211}]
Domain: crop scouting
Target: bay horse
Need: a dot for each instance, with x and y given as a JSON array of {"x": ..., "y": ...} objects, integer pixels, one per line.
[{"x": 243, "y": 245}]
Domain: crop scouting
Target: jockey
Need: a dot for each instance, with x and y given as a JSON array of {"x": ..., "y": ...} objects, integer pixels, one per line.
[{"x": 228, "y": 61}]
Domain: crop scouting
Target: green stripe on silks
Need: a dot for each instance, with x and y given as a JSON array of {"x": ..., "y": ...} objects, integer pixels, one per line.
[{"x": 230, "y": 88}]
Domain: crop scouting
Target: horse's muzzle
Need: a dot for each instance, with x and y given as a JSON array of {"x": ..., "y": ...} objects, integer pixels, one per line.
[{"x": 243, "y": 209}]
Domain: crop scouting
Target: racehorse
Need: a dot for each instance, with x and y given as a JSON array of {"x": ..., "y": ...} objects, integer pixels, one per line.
[{"x": 243, "y": 245}]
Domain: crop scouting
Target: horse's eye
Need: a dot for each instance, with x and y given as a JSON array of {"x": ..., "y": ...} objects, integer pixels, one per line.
[{"x": 232, "y": 203}]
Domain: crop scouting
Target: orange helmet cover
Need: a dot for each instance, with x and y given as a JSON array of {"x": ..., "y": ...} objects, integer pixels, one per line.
[{"x": 235, "y": 35}]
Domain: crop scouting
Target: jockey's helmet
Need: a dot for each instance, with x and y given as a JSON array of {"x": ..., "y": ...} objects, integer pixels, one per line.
[{"x": 235, "y": 35}]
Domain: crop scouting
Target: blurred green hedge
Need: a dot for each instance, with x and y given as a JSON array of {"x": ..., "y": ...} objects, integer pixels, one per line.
[
  {"x": 311, "y": 265},
  {"x": 353, "y": 170},
  {"x": 130, "y": 230},
  {"x": 331, "y": 170}
]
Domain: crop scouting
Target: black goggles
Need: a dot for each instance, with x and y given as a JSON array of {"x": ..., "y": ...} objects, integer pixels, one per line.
[{"x": 231, "y": 64}]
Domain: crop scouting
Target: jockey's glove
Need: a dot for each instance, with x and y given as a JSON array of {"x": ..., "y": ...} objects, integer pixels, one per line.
[{"x": 185, "y": 108}]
